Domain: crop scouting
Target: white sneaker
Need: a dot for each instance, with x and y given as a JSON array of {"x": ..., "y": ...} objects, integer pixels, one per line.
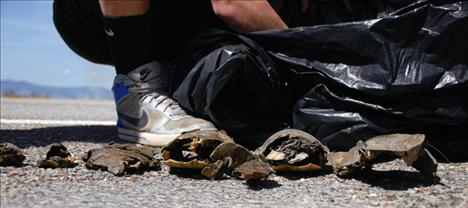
[{"x": 146, "y": 114}]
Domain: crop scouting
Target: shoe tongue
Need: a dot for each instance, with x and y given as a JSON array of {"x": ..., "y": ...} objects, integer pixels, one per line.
[
  {"x": 145, "y": 72},
  {"x": 152, "y": 74}
]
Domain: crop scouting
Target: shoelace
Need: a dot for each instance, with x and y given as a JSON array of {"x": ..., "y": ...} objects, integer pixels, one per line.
[{"x": 168, "y": 105}]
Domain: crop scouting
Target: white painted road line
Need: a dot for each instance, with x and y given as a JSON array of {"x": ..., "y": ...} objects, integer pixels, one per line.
[{"x": 58, "y": 122}]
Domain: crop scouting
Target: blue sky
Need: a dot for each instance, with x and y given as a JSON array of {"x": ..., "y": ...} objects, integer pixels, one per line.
[{"x": 32, "y": 50}]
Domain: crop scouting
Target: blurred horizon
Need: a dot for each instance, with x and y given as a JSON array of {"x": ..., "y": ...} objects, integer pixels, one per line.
[
  {"x": 33, "y": 51},
  {"x": 24, "y": 89}
]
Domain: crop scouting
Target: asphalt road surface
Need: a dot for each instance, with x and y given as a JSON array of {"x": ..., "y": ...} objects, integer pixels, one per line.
[{"x": 82, "y": 125}]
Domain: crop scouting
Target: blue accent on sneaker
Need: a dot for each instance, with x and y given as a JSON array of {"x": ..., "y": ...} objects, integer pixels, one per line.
[
  {"x": 120, "y": 123},
  {"x": 120, "y": 90}
]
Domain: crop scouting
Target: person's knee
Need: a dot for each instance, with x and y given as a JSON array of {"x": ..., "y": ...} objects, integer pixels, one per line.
[
  {"x": 225, "y": 8},
  {"x": 124, "y": 8}
]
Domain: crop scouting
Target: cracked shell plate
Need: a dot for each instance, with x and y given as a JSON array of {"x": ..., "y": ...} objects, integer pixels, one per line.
[
  {"x": 407, "y": 147},
  {"x": 294, "y": 150},
  {"x": 121, "y": 159},
  {"x": 10, "y": 155},
  {"x": 192, "y": 150},
  {"x": 237, "y": 161},
  {"x": 58, "y": 156}
]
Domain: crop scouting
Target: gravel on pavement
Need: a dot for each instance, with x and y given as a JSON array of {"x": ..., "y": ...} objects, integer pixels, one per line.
[{"x": 386, "y": 185}]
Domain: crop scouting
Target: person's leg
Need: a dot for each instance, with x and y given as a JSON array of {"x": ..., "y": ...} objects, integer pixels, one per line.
[
  {"x": 126, "y": 28},
  {"x": 145, "y": 112}
]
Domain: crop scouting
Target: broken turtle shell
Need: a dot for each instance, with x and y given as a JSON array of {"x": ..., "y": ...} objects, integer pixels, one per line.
[
  {"x": 214, "y": 153},
  {"x": 192, "y": 150},
  {"x": 294, "y": 150},
  {"x": 121, "y": 159},
  {"x": 407, "y": 147},
  {"x": 58, "y": 157},
  {"x": 10, "y": 155},
  {"x": 239, "y": 162}
]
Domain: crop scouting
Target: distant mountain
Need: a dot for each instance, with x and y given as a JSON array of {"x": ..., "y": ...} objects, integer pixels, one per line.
[{"x": 26, "y": 89}]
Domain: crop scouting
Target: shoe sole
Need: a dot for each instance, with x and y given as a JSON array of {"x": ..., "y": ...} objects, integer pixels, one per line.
[{"x": 158, "y": 140}]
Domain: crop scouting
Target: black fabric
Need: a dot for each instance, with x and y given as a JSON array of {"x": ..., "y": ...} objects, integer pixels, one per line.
[
  {"x": 406, "y": 72},
  {"x": 173, "y": 24},
  {"x": 128, "y": 39},
  {"x": 319, "y": 12},
  {"x": 80, "y": 25},
  {"x": 186, "y": 20},
  {"x": 176, "y": 23},
  {"x": 235, "y": 85}
]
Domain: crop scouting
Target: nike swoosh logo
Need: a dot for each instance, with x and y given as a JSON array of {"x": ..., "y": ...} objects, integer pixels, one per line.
[
  {"x": 138, "y": 123},
  {"x": 144, "y": 74},
  {"x": 109, "y": 32}
]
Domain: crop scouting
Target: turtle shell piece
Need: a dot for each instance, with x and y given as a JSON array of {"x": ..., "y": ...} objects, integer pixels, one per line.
[
  {"x": 58, "y": 157},
  {"x": 237, "y": 161},
  {"x": 407, "y": 147},
  {"x": 121, "y": 159},
  {"x": 294, "y": 150},
  {"x": 215, "y": 154},
  {"x": 10, "y": 155},
  {"x": 347, "y": 163},
  {"x": 192, "y": 150}
]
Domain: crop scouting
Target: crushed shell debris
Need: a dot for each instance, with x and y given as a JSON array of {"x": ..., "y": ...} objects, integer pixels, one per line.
[
  {"x": 10, "y": 155},
  {"x": 122, "y": 159},
  {"x": 58, "y": 156},
  {"x": 216, "y": 155}
]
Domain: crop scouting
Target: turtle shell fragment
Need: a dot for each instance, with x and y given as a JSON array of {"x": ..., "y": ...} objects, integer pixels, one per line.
[
  {"x": 215, "y": 154},
  {"x": 383, "y": 148},
  {"x": 58, "y": 157},
  {"x": 121, "y": 159},
  {"x": 192, "y": 150},
  {"x": 239, "y": 162},
  {"x": 10, "y": 155},
  {"x": 294, "y": 150}
]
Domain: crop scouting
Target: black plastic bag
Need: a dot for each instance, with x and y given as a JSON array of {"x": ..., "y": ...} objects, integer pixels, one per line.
[{"x": 405, "y": 72}]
